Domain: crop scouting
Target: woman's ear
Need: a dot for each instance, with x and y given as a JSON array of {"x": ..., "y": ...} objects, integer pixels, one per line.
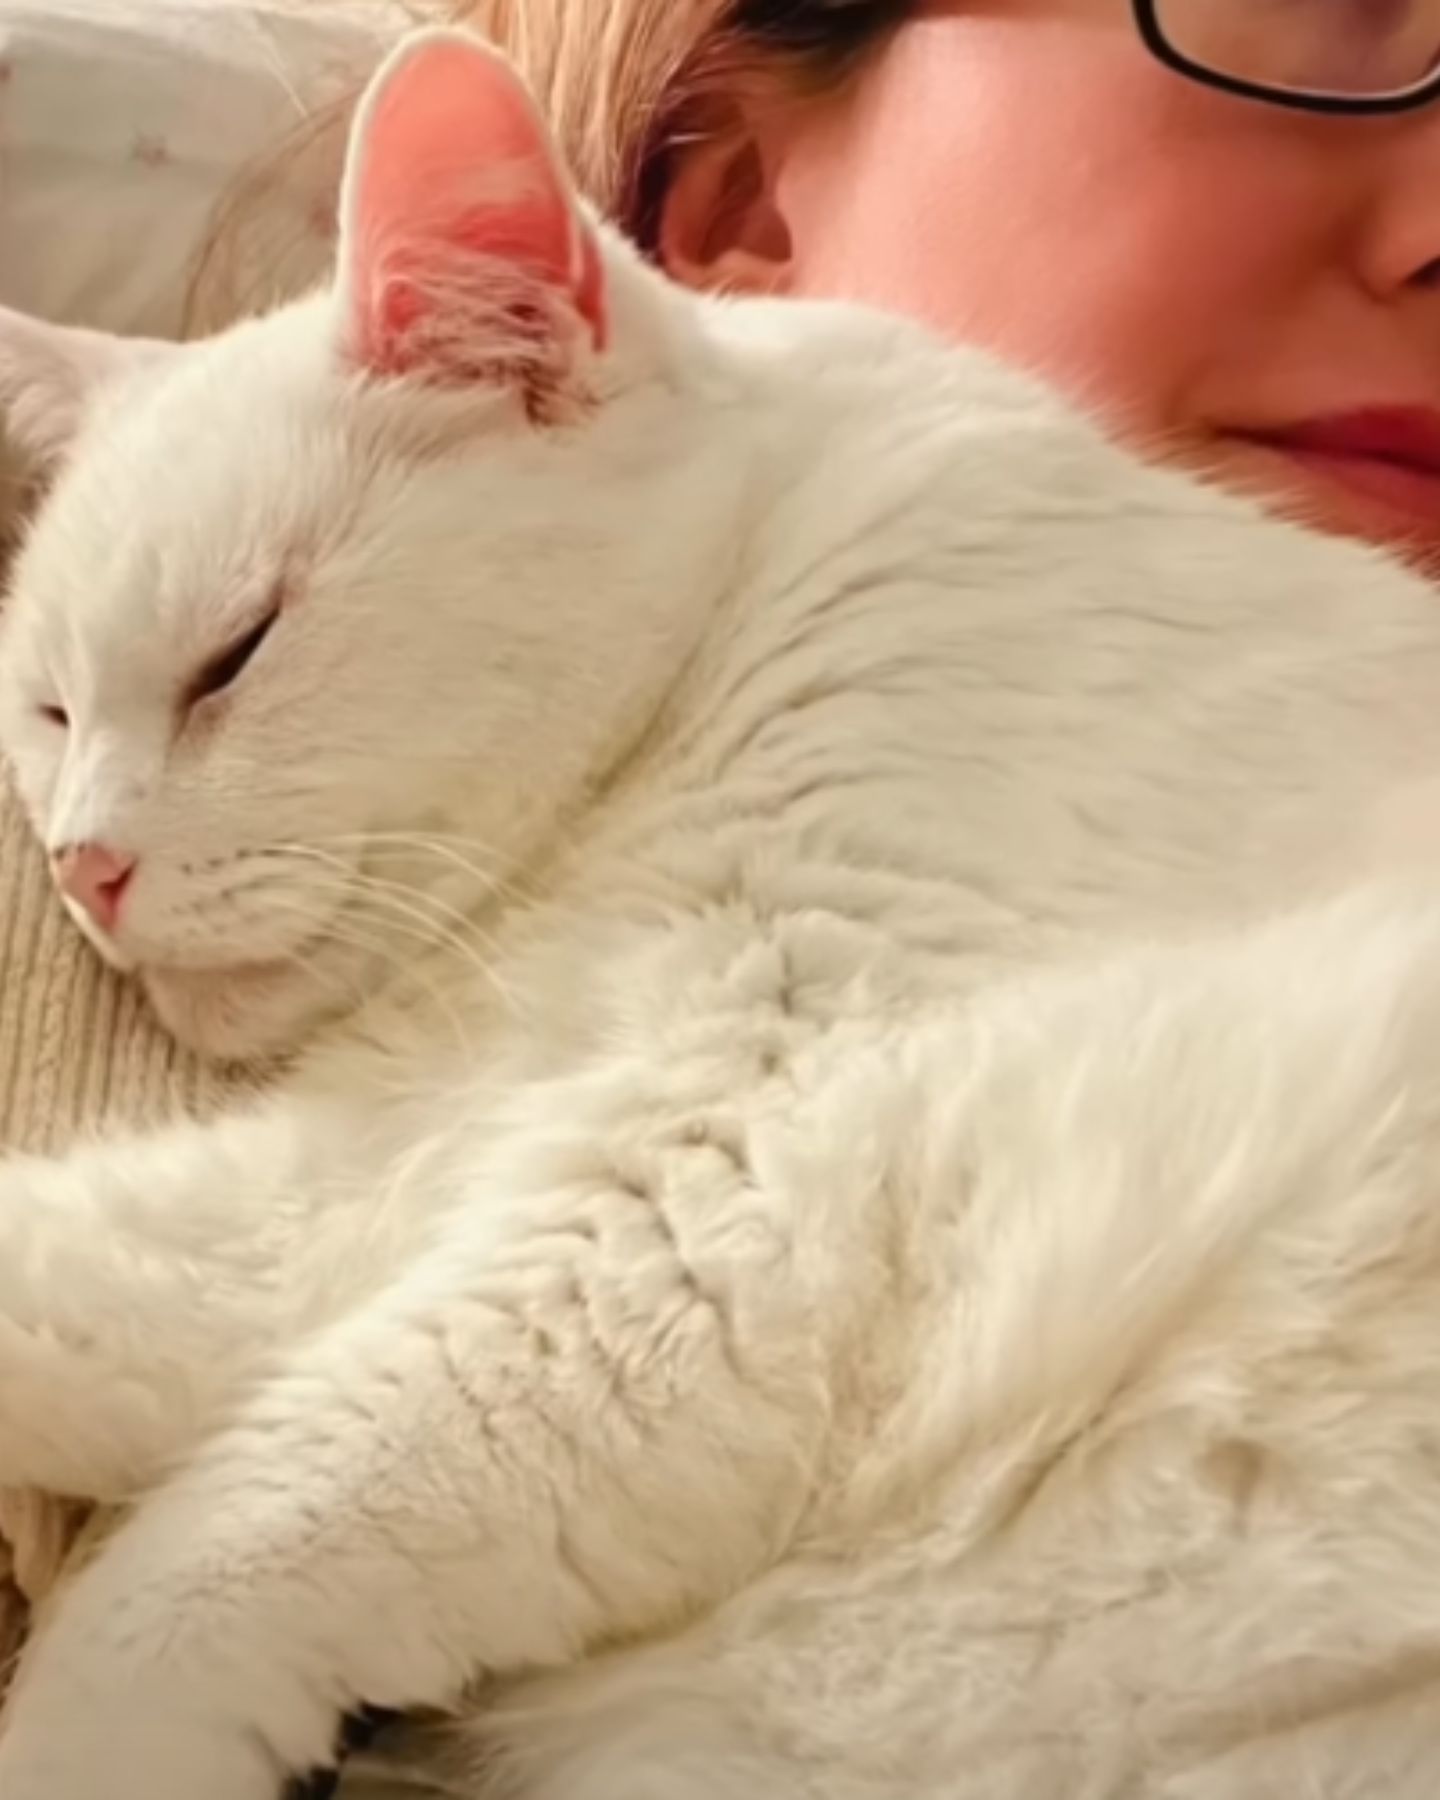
[{"x": 721, "y": 226}]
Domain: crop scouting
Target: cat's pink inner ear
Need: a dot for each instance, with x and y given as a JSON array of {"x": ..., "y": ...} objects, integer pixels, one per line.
[{"x": 458, "y": 213}]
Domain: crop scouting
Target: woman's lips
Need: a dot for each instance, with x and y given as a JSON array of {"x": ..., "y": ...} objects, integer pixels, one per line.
[{"x": 1388, "y": 456}]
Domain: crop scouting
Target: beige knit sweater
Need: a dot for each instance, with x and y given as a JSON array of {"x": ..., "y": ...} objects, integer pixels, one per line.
[{"x": 77, "y": 1049}]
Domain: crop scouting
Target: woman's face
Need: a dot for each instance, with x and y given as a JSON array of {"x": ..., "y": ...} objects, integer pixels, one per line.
[{"x": 1252, "y": 289}]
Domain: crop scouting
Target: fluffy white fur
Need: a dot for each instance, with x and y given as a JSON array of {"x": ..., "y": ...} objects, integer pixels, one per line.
[{"x": 874, "y": 1234}]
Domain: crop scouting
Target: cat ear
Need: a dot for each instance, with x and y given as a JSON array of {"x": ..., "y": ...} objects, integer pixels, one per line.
[
  {"x": 464, "y": 252},
  {"x": 49, "y": 375}
]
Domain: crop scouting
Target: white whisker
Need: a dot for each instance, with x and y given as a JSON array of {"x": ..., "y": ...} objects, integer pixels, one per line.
[{"x": 432, "y": 920}]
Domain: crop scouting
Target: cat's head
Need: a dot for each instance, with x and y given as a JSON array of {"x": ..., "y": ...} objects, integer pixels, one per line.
[{"x": 325, "y": 622}]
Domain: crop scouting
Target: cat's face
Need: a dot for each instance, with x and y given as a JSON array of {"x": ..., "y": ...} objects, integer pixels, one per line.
[{"x": 326, "y": 620}]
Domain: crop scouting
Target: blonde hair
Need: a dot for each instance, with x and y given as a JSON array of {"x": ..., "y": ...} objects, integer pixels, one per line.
[{"x": 625, "y": 83}]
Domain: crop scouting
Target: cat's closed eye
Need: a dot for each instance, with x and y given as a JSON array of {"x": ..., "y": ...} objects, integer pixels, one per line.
[
  {"x": 224, "y": 670},
  {"x": 54, "y": 715}
]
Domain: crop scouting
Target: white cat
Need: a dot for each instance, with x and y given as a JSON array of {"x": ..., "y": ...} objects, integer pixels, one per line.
[{"x": 875, "y": 1235}]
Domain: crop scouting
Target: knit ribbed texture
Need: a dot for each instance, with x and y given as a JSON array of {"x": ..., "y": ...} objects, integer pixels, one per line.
[
  {"x": 77, "y": 1048},
  {"x": 77, "y": 1054}
]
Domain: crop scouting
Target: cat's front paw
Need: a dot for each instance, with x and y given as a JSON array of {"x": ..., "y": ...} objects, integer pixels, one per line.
[
  {"x": 97, "y": 1755},
  {"x": 117, "y": 1700}
]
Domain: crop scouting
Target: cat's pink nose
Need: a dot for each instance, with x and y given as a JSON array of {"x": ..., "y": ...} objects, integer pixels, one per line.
[{"x": 95, "y": 878}]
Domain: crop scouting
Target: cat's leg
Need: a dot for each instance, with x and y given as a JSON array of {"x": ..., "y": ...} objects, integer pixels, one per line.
[
  {"x": 558, "y": 1438},
  {"x": 142, "y": 1282}
]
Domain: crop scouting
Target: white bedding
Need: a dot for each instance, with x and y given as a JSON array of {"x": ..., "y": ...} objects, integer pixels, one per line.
[{"x": 124, "y": 122}]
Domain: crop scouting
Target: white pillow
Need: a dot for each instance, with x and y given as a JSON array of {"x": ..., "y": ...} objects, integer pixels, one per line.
[{"x": 124, "y": 122}]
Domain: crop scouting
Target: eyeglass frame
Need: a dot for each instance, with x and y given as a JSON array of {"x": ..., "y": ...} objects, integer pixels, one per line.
[{"x": 1152, "y": 34}]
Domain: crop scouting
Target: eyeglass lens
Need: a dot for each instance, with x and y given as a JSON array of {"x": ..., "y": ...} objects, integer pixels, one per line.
[{"x": 1357, "y": 48}]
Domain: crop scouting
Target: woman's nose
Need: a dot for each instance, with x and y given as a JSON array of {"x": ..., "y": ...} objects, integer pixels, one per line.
[{"x": 1402, "y": 247}]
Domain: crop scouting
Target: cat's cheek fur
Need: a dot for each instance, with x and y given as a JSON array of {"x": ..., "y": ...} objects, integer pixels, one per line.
[
  {"x": 252, "y": 1012},
  {"x": 246, "y": 1014}
]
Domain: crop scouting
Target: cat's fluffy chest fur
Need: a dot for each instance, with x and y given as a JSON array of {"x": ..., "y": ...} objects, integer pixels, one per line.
[{"x": 887, "y": 1250}]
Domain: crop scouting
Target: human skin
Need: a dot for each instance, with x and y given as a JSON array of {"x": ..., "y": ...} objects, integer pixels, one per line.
[{"x": 1253, "y": 290}]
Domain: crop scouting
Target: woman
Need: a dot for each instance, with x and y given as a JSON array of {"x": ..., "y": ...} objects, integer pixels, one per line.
[
  {"x": 1243, "y": 281},
  {"x": 1250, "y": 286}
]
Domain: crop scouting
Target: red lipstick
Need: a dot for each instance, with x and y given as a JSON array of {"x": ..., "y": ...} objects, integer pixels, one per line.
[
  {"x": 1389, "y": 455},
  {"x": 1407, "y": 436}
]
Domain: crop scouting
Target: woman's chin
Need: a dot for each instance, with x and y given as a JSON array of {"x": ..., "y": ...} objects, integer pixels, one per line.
[{"x": 249, "y": 1014}]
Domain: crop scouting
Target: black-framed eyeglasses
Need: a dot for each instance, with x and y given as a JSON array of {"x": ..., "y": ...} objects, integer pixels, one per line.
[{"x": 1330, "y": 56}]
